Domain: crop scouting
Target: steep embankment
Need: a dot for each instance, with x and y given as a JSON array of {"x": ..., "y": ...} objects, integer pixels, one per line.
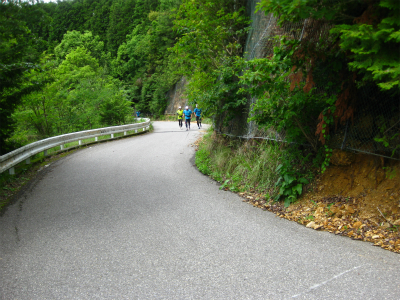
[{"x": 358, "y": 196}]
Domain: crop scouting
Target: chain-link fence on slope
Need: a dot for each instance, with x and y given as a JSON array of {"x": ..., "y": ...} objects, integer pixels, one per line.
[
  {"x": 176, "y": 97},
  {"x": 375, "y": 128}
]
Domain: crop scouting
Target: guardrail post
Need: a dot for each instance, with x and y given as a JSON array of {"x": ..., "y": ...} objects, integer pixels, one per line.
[
  {"x": 96, "y": 139},
  {"x": 61, "y": 147},
  {"x": 80, "y": 142},
  {"x": 11, "y": 171},
  {"x": 144, "y": 129},
  {"x": 45, "y": 152},
  {"x": 124, "y": 132},
  {"x": 135, "y": 130},
  {"x": 28, "y": 161},
  {"x": 112, "y": 135}
]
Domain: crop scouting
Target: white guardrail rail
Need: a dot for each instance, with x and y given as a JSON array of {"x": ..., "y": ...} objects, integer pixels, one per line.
[{"x": 9, "y": 160}]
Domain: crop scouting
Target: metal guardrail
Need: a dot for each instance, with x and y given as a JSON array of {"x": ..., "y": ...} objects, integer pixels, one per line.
[{"x": 11, "y": 159}]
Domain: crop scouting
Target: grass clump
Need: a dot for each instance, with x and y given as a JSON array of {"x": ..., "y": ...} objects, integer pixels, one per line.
[
  {"x": 239, "y": 165},
  {"x": 281, "y": 172}
]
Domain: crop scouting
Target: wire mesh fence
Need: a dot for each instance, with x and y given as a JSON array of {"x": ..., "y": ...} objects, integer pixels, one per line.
[
  {"x": 176, "y": 97},
  {"x": 375, "y": 124}
]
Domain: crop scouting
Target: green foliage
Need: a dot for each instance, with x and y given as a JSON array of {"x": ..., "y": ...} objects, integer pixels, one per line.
[
  {"x": 388, "y": 136},
  {"x": 98, "y": 18},
  {"x": 17, "y": 55},
  {"x": 202, "y": 161},
  {"x": 76, "y": 95},
  {"x": 292, "y": 11},
  {"x": 113, "y": 111},
  {"x": 211, "y": 31},
  {"x": 145, "y": 63},
  {"x": 137, "y": 35},
  {"x": 326, "y": 158},
  {"x": 73, "y": 90},
  {"x": 38, "y": 20},
  {"x": 239, "y": 166},
  {"x": 126, "y": 15},
  {"x": 120, "y": 23},
  {"x": 224, "y": 184},
  {"x": 212, "y": 35},
  {"x": 91, "y": 102},
  {"x": 390, "y": 172},
  {"x": 294, "y": 173},
  {"x": 68, "y": 16},
  {"x": 218, "y": 92},
  {"x": 375, "y": 47},
  {"x": 78, "y": 64},
  {"x": 281, "y": 173},
  {"x": 74, "y": 39},
  {"x": 278, "y": 106},
  {"x": 369, "y": 30}
]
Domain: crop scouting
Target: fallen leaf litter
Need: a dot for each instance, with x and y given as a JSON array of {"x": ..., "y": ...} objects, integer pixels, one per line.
[{"x": 369, "y": 211}]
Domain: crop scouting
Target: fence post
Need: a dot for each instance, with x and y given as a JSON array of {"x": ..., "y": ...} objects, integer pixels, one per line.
[
  {"x": 28, "y": 161},
  {"x": 11, "y": 171},
  {"x": 112, "y": 135},
  {"x": 345, "y": 136},
  {"x": 80, "y": 142},
  {"x": 45, "y": 152},
  {"x": 61, "y": 147},
  {"x": 96, "y": 138}
]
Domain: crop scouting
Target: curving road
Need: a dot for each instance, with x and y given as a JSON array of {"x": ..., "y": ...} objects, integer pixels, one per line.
[{"x": 134, "y": 219}]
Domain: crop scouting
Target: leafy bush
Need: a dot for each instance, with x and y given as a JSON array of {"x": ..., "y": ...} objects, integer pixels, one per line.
[
  {"x": 113, "y": 110},
  {"x": 279, "y": 104}
]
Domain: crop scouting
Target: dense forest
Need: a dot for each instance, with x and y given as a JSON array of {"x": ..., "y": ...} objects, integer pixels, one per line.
[{"x": 81, "y": 64}]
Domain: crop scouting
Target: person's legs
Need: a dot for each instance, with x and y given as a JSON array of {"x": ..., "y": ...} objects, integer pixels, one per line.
[
  {"x": 186, "y": 124},
  {"x": 180, "y": 123}
]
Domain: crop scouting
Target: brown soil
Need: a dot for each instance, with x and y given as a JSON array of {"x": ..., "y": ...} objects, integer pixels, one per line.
[{"x": 359, "y": 197}]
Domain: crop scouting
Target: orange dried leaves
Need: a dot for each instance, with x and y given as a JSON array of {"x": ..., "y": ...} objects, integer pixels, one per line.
[
  {"x": 336, "y": 214},
  {"x": 295, "y": 78}
]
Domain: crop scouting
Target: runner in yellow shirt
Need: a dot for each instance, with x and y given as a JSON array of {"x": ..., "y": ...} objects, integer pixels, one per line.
[{"x": 180, "y": 116}]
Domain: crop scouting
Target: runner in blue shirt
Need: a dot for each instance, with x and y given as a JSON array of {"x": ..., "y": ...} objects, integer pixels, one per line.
[
  {"x": 197, "y": 112},
  {"x": 188, "y": 115}
]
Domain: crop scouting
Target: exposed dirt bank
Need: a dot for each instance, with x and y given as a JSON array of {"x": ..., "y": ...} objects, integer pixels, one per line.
[{"x": 358, "y": 197}]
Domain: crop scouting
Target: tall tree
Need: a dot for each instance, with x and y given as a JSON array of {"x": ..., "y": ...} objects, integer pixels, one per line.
[
  {"x": 68, "y": 16},
  {"x": 98, "y": 22},
  {"x": 213, "y": 34},
  {"x": 120, "y": 23},
  {"x": 74, "y": 39},
  {"x": 18, "y": 54}
]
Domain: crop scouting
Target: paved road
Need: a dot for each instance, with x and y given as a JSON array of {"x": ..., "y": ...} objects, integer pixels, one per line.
[{"x": 134, "y": 219}]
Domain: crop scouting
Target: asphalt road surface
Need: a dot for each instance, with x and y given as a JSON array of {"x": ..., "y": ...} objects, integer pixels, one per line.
[{"x": 134, "y": 219}]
